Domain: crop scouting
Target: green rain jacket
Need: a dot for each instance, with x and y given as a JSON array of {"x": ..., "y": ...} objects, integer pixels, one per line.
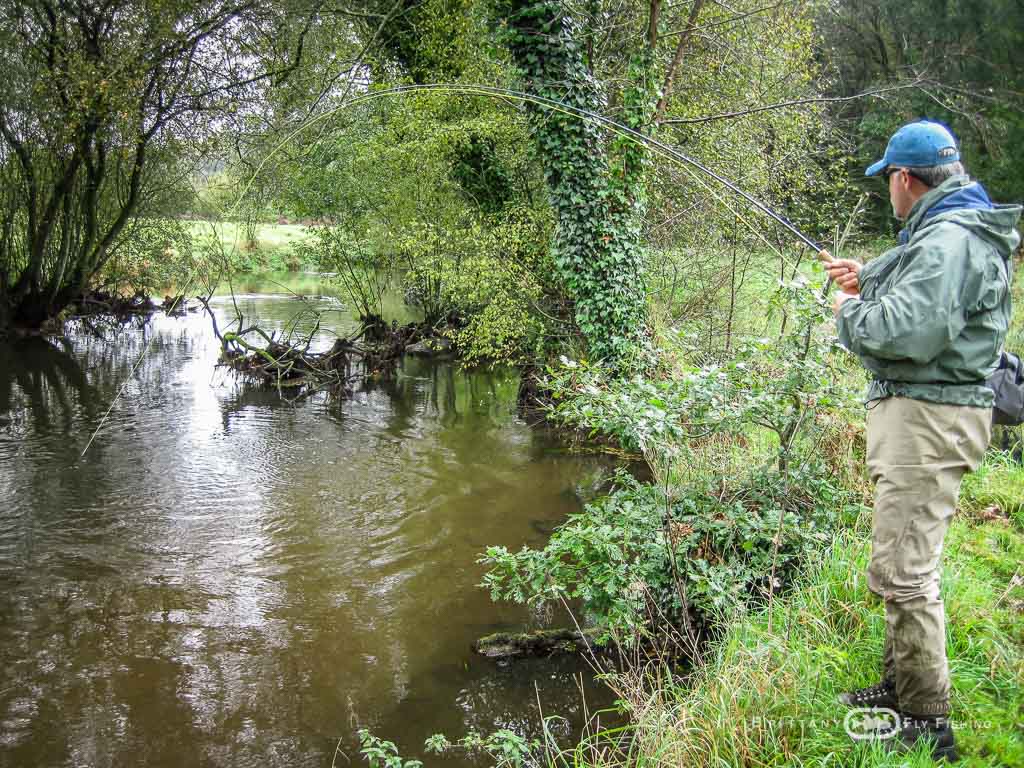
[{"x": 934, "y": 311}]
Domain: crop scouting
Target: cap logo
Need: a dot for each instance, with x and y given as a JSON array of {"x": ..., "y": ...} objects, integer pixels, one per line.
[{"x": 947, "y": 152}]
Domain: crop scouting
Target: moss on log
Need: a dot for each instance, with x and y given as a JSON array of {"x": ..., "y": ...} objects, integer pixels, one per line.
[{"x": 543, "y": 642}]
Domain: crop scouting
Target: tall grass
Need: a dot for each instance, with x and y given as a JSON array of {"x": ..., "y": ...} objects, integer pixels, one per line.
[{"x": 765, "y": 695}]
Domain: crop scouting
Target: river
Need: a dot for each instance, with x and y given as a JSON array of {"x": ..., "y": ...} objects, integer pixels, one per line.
[{"x": 224, "y": 579}]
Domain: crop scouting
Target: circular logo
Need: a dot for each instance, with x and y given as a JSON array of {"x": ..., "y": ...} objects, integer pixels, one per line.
[{"x": 872, "y": 723}]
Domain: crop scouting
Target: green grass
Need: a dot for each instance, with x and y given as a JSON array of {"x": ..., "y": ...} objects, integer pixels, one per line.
[
  {"x": 274, "y": 249},
  {"x": 995, "y": 490},
  {"x": 765, "y": 693}
]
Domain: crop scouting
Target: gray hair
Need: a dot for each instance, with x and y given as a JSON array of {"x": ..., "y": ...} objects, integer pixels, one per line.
[{"x": 934, "y": 175}]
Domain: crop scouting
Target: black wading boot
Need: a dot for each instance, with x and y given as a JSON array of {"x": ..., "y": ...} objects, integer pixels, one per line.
[
  {"x": 914, "y": 729},
  {"x": 881, "y": 695}
]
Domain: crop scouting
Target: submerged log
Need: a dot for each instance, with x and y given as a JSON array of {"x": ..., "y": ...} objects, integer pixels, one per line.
[{"x": 543, "y": 642}]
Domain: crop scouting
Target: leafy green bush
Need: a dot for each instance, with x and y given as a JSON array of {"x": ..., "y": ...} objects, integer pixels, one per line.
[
  {"x": 487, "y": 278},
  {"x": 157, "y": 253},
  {"x": 623, "y": 555},
  {"x": 362, "y": 274},
  {"x": 728, "y": 515},
  {"x": 787, "y": 386}
]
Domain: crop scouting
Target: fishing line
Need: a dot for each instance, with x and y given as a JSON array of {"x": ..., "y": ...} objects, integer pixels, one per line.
[
  {"x": 131, "y": 373},
  {"x": 637, "y": 137}
]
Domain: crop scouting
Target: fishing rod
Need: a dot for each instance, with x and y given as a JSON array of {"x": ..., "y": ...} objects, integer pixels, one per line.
[
  {"x": 617, "y": 127},
  {"x": 632, "y": 134}
]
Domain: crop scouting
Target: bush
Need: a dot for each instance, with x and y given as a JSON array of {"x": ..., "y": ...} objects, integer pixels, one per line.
[
  {"x": 487, "y": 278},
  {"x": 744, "y": 453},
  {"x": 157, "y": 254},
  {"x": 623, "y": 555}
]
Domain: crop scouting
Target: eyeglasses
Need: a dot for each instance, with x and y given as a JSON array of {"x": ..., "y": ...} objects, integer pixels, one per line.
[{"x": 890, "y": 171}]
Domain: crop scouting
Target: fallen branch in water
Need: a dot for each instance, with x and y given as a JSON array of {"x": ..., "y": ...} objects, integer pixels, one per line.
[
  {"x": 103, "y": 303},
  {"x": 543, "y": 642},
  {"x": 373, "y": 350}
]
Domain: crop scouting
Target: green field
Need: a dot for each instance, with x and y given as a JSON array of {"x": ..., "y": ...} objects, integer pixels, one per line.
[{"x": 275, "y": 248}]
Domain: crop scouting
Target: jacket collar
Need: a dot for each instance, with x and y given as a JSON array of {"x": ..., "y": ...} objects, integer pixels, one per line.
[{"x": 955, "y": 193}]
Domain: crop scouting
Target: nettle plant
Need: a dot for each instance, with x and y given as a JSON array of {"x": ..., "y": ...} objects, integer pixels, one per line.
[
  {"x": 380, "y": 753},
  {"x": 696, "y": 545},
  {"x": 503, "y": 748}
]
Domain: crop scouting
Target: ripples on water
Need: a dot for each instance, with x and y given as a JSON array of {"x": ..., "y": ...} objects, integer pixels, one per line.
[{"x": 224, "y": 580}]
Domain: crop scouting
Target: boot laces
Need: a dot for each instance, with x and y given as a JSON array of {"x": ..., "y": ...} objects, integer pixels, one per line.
[{"x": 874, "y": 692}]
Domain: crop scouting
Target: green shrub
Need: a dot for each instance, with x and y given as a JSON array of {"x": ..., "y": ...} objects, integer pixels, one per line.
[
  {"x": 623, "y": 554},
  {"x": 504, "y": 748},
  {"x": 487, "y": 277},
  {"x": 383, "y": 754},
  {"x": 746, "y": 479}
]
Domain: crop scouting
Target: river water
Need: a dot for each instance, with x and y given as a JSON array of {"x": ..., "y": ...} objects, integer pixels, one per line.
[{"x": 224, "y": 579}]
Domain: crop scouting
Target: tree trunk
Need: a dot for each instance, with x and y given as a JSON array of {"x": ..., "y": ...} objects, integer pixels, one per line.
[{"x": 597, "y": 239}]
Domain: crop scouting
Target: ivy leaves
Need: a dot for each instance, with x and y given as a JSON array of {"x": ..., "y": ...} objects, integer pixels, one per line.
[{"x": 596, "y": 247}]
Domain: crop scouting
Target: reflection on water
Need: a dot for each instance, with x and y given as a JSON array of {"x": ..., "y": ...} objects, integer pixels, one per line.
[{"x": 226, "y": 580}]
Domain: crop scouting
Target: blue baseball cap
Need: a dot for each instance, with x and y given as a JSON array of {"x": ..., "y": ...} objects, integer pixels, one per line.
[{"x": 922, "y": 144}]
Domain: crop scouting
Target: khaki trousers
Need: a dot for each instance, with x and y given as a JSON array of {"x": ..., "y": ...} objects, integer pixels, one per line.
[{"x": 917, "y": 453}]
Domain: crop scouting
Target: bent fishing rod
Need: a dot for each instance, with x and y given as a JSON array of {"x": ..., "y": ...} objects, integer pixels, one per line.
[
  {"x": 579, "y": 112},
  {"x": 614, "y": 126},
  {"x": 495, "y": 92}
]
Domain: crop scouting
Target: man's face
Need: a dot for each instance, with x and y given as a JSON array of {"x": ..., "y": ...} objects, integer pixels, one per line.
[{"x": 900, "y": 192}]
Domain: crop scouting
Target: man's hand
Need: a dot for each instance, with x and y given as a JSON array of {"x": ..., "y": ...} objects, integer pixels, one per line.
[
  {"x": 839, "y": 298},
  {"x": 844, "y": 272}
]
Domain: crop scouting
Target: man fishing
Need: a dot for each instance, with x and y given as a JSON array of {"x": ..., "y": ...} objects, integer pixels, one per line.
[{"x": 927, "y": 319}]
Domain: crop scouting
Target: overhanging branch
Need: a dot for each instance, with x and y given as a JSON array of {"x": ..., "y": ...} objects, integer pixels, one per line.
[{"x": 791, "y": 103}]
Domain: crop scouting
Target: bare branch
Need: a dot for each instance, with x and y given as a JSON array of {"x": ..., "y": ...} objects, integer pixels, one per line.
[
  {"x": 792, "y": 103},
  {"x": 731, "y": 20},
  {"x": 677, "y": 57}
]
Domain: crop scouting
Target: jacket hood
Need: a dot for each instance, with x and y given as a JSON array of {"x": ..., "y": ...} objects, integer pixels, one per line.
[{"x": 967, "y": 203}]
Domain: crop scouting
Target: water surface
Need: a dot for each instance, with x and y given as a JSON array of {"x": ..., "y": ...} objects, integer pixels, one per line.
[{"x": 224, "y": 579}]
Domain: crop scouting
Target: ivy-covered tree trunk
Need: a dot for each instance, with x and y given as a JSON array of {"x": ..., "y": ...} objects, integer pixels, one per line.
[{"x": 597, "y": 240}]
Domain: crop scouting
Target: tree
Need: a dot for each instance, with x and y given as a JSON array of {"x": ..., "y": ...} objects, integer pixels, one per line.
[
  {"x": 654, "y": 66},
  {"x": 98, "y": 101},
  {"x": 961, "y": 63}
]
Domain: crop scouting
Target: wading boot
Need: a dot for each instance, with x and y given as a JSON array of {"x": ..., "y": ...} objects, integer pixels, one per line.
[
  {"x": 915, "y": 729},
  {"x": 881, "y": 695}
]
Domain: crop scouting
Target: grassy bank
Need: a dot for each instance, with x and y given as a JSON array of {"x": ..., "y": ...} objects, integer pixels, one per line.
[
  {"x": 275, "y": 249},
  {"x": 765, "y": 694},
  {"x": 757, "y": 527}
]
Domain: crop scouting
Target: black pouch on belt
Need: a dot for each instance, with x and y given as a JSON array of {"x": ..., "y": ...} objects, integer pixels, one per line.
[{"x": 1007, "y": 381}]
